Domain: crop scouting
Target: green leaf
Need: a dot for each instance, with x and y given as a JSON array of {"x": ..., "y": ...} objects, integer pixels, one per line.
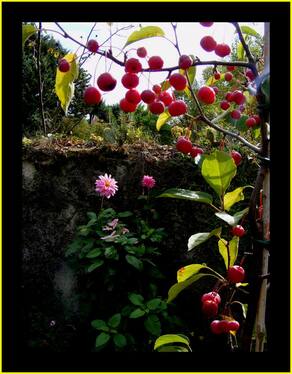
[
  {"x": 232, "y": 245},
  {"x": 135, "y": 262},
  {"x": 249, "y": 31},
  {"x": 218, "y": 169},
  {"x": 120, "y": 340},
  {"x": 115, "y": 320},
  {"x": 201, "y": 237},
  {"x": 232, "y": 220},
  {"x": 64, "y": 85},
  {"x": 144, "y": 33},
  {"x": 137, "y": 313},
  {"x": 94, "y": 253},
  {"x": 211, "y": 80},
  {"x": 171, "y": 338},
  {"x": 95, "y": 265},
  {"x": 178, "y": 287},
  {"x": 136, "y": 299},
  {"x": 27, "y": 32},
  {"x": 99, "y": 324},
  {"x": 111, "y": 253},
  {"x": 153, "y": 304},
  {"x": 92, "y": 216},
  {"x": 233, "y": 197},
  {"x": 165, "y": 85},
  {"x": 240, "y": 51},
  {"x": 189, "y": 270},
  {"x": 256, "y": 131},
  {"x": 162, "y": 119},
  {"x": 173, "y": 348},
  {"x": 102, "y": 339},
  {"x": 179, "y": 193},
  {"x": 152, "y": 325},
  {"x": 124, "y": 214}
]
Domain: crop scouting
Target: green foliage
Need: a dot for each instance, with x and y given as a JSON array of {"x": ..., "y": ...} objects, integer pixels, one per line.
[
  {"x": 118, "y": 251},
  {"x": 144, "y": 33}
]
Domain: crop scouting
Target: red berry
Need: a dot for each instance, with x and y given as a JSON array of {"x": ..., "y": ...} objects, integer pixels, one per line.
[
  {"x": 195, "y": 151},
  {"x": 133, "y": 65},
  {"x": 156, "y": 88},
  {"x": 216, "y": 89},
  {"x": 177, "y": 108},
  {"x": 228, "y": 76},
  {"x": 141, "y": 52},
  {"x": 224, "y": 326},
  {"x": 133, "y": 97},
  {"x": 235, "y": 274},
  {"x": 126, "y": 106},
  {"x": 257, "y": 118},
  {"x": 165, "y": 97},
  {"x": 238, "y": 231},
  {"x": 92, "y": 96},
  {"x": 224, "y": 105},
  {"x": 249, "y": 73},
  {"x": 233, "y": 325},
  {"x": 206, "y": 24},
  {"x": 184, "y": 144},
  {"x": 229, "y": 96},
  {"x": 155, "y": 62},
  {"x": 222, "y": 50},
  {"x": 238, "y": 97},
  {"x": 216, "y": 327},
  {"x": 106, "y": 82},
  {"x": 185, "y": 62},
  {"x": 230, "y": 68},
  {"x": 236, "y": 157},
  {"x": 235, "y": 114},
  {"x": 210, "y": 308},
  {"x": 250, "y": 122},
  {"x": 217, "y": 75},
  {"x": 63, "y": 65},
  {"x": 130, "y": 80},
  {"x": 178, "y": 81},
  {"x": 92, "y": 46},
  {"x": 157, "y": 107},
  {"x": 207, "y": 95},
  {"x": 214, "y": 296},
  {"x": 208, "y": 43},
  {"x": 148, "y": 96}
]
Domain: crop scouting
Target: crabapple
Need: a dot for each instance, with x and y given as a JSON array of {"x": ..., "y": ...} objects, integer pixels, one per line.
[
  {"x": 183, "y": 144},
  {"x": 250, "y": 122},
  {"x": 207, "y": 95},
  {"x": 235, "y": 274},
  {"x": 126, "y": 106},
  {"x": 141, "y": 52},
  {"x": 238, "y": 97},
  {"x": 217, "y": 75},
  {"x": 210, "y": 308},
  {"x": 185, "y": 62},
  {"x": 177, "y": 108},
  {"x": 92, "y": 96},
  {"x": 92, "y": 45},
  {"x": 238, "y": 231},
  {"x": 130, "y": 80},
  {"x": 133, "y": 96},
  {"x": 156, "y": 88},
  {"x": 249, "y": 73},
  {"x": 148, "y": 96},
  {"x": 178, "y": 81},
  {"x": 230, "y": 68},
  {"x": 214, "y": 296},
  {"x": 236, "y": 157},
  {"x": 63, "y": 65},
  {"x": 208, "y": 43},
  {"x": 133, "y": 65},
  {"x": 106, "y": 82},
  {"x": 195, "y": 151},
  {"x": 216, "y": 327},
  {"x": 156, "y": 107},
  {"x": 228, "y": 76},
  {"x": 222, "y": 50},
  {"x": 155, "y": 62},
  {"x": 235, "y": 114},
  {"x": 224, "y": 105},
  {"x": 206, "y": 24},
  {"x": 165, "y": 97},
  {"x": 233, "y": 325}
]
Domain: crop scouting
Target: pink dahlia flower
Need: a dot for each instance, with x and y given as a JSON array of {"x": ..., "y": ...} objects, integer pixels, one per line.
[
  {"x": 106, "y": 186},
  {"x": 148, "y": 181}
]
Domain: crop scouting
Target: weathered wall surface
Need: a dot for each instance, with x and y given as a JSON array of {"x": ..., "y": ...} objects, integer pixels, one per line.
[{"x": 58, "y": 190}]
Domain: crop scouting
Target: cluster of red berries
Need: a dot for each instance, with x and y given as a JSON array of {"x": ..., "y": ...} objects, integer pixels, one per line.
[
  {"x": 224, "y": 326},
  {"x": 184, "y": 145}
]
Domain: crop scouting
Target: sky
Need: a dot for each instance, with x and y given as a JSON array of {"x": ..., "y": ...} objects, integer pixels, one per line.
[{"x": 189, "y": 36}]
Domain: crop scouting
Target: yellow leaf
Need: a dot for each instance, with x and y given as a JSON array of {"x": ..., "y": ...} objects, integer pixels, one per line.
[
  {"x": 162, "y": 119},
  {"x": 233, "y": 197},
  {"x": 187, "y": 271},
  {"x": 144, "y": 33},
  {"x": 64, "y": 84}
]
